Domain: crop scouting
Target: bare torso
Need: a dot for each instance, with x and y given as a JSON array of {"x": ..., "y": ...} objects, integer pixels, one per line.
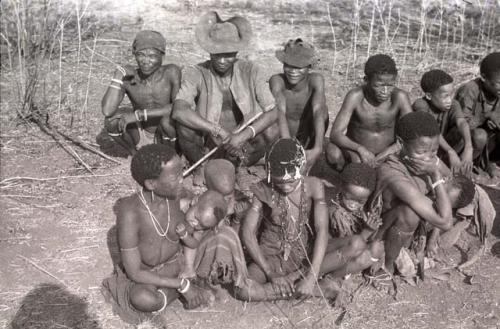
[
  {"x": 298, "y": 100},
  {"x": 153, "y": 92},
  {"x": 373, "y": 126}
]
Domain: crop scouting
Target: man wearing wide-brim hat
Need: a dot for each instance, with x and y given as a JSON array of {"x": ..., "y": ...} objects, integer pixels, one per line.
[
  {"x": 219, "y": 95},
  {"x": 151, "y": 88},
  {"x": 300, "y": 98}
]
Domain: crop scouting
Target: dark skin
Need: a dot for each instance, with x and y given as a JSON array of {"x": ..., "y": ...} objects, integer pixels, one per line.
[
  {"x": 260, "y": 270},
  {"x": 442, "y": 99},
  {"x": 368, "y": 114},
  {"x": 154, "y": 92},
  {"x": 143, "y": 248},
  {"x": 294, "y": 90},
  {"x": 222, "y": 65},
  {"x": 409, "y": 205}
]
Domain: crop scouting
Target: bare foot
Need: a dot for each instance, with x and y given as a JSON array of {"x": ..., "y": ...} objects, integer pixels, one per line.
[{"x": 197, "y": 296}]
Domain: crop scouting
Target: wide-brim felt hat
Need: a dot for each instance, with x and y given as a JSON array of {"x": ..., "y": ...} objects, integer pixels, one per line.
[
  {"x": 297, "y": 53},
  {"x": 217, "y": 36}
]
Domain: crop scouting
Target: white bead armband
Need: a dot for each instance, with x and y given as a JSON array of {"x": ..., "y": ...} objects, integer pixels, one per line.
[{"x": 437, "y": 183}]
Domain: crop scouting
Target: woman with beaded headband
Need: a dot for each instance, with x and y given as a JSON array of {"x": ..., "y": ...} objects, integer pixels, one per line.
[{"x": 285, "y": 260}]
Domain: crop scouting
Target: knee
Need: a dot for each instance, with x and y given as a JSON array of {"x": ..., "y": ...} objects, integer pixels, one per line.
[
  {"x": 271, "y": 133},
  {"x": 333, "y": 154},
  {"x": 242, "y": 293},
  {"x": 144, "y": 300},
  {"x": 357, "y": 245},
  {"x": 479, "y": 138},
  {"x": 111, "y": 125}
]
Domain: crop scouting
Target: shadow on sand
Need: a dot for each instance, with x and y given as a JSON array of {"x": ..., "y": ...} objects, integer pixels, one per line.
[{"x": 52, "y": 306}]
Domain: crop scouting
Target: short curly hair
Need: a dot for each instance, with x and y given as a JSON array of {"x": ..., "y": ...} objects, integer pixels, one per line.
[
  {"x": 359, "y": 174},
  {"x": 490, "y": 65},
  {"x": 433, "y": 79},
  {"x": 417, "y": 124},
  {"x": 380, "y": 64},
  {"x": 147, "y": 161},
  {"x": 467, "y": 190}
]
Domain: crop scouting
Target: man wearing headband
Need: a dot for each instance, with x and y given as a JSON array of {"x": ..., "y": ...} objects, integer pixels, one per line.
[
  {"x": 219, "y": 95},
  {"x": 285, "y": 256},
  {"x": 151, "y": 88}
]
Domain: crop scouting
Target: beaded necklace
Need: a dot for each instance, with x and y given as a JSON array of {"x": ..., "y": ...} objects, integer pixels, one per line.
[{"x": 159, "y": 229}]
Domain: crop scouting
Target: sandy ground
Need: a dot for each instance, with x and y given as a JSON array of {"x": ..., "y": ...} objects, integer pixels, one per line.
[{"x": 55, "y": 228}]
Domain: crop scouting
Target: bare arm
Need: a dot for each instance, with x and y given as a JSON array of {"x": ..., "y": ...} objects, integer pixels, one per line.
[
  {"x": 249, "y": 231},
  {"x": 183, "y": 113},
  {"x": 113, "y": 96},
  {"x": 276, "y": 86},
  {"x": 128, "y": 239},
  {"x": 464, "y": 129},
  {"x": 339, "y": 127},
  {"x": 318, "y": 103},
  {"x": 424, "y": 206}
]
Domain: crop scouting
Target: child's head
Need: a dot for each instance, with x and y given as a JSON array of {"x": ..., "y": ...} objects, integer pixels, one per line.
[
  {"x": 461, "y": 191},
  {"x": 210, "y": 209},
  {"x": 380, "y": 76},
  {"x": 157, "y": 168},
  {"x": 358, "y": 183},
  {"x": 285, "y": 162},
  {"x": 438, "y": 88},
  {"x": 418, "y": 133},
  {"x": 220, "y": 176},
  {"x": 490, "y": 73}
]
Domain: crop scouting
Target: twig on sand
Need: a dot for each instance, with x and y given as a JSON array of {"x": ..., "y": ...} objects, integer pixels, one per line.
[
  {"x": 81, "y": 248},
  {"x": 43, "y": 270},
  {"x": 11, "y": 179}
]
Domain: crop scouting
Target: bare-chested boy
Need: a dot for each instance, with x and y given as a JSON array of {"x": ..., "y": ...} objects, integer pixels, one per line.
[
  {"x": 455, "y": 132},
  {"x": 412, "y": 185},
  {"x": 480, "y": 100},
  {"x": 363, "y": 130},
  {"x": 151, "y": 88},
  {"x": 147, "y": 279},
  {"x": 300, "y": 97}
]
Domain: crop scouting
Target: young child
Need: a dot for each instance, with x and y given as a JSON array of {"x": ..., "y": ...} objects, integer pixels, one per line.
[
  {"x": 203, "y": 216},
  {"x": 455, "y": 132},
  {"x": 220, "y": 176},
  {"x": 363, "y": 130},
  {"x": 479, "y": 99},
  {"x": 352, "y": 224},
  {"x": 300, "y": 97}
]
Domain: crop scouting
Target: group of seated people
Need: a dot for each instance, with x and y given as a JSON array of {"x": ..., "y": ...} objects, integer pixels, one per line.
[{"x": 283, "y": 238}]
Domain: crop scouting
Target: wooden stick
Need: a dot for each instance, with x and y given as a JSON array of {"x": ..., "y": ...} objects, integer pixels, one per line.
[
  {"x": 43, "y": 270},
  {"x": 8, "y": 180},
  {"x": 209, "y": 154}
]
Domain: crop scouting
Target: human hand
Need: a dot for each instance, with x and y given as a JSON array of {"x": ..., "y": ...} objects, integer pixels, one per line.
[
  {"x": 372, "y": 220},
  {"x": 455, "y": 162},
  {"x": 432, "y": 248},
  {"x": 467, "y": 162},
  {"x": 492, "y": 121},
  {"x": 126, "y": 119},
  {"x": 306, "y": 286},
  {"x": 366, "y": 156},
  {"x": 219, "y": 135},
  {"x": 283, "y": 286},
  {"x": 180, "y": 229},
  {"x": 124, "y": 71},
  {"x": 234, "y": 144},
  {"x": 427, "y": 166}
]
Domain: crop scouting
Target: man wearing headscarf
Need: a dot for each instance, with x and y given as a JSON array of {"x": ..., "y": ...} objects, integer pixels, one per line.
[{"x": 151, "y": 88}]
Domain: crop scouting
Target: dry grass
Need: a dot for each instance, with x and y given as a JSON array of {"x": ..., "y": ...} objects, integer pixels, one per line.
[{"x": 60, "y": 220}]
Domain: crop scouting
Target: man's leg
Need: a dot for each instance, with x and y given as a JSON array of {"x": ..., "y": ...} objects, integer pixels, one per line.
[
  {"x": 166, "y": 131},
  {"x": 400, "y": 233},
  {"x": 258, "y": 145},
  {"x": 338, "y": 158},
  {"x": 340, "y": 251},
  {"x": 147, "y": 298},
  {"x": 191, "y": 143},
  {"x": 479, "y": 139}
]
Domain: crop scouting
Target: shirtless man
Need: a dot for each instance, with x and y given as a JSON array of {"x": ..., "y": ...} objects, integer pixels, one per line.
[
  {"x": 363, "y": 130},
  {"x": 151, "y": 89},
  {"x": 300, "y": 97},
  {"x": 219, "y": 95},
  {"x": 147, "y": 280}
]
